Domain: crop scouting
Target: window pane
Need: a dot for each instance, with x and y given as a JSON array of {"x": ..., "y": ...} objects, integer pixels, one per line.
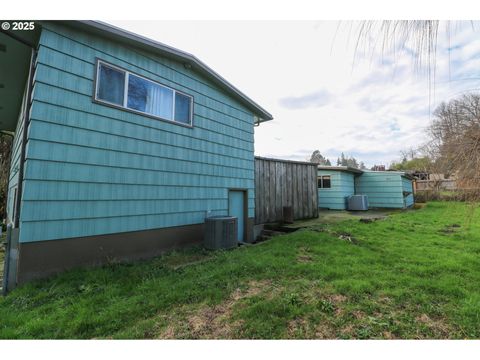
[
  {"x": 319, "y": 183},
  {"x": 137, "y": 93},
  {"x": 148, "y": 97},
  {"x": 326, "y": 181},
  {"x": 111, "y": 85},
  {"x": 182, "y": 108}
]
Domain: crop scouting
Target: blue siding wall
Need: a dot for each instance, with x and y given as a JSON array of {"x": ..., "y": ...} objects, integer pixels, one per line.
[
  {"x": 93, "y": 169},
  {"x": 384, "y": 189},
  {"x": 342, "y": 185},
  {"x": 408, "y": 186}
]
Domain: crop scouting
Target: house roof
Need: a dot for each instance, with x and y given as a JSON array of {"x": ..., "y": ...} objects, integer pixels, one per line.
[
  {"x": 132, "y": 39},
  {"x": 285, "y": 160},
  {"x": 358, "y": 171},
  {"x": 401, "y": 173},
  {"x": 341, "y": 168}
]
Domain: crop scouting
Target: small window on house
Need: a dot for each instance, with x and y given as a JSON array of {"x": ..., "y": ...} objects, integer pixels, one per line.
[
  {"x": 124, "y": 89},
  {"x": 323, "y": 182}
]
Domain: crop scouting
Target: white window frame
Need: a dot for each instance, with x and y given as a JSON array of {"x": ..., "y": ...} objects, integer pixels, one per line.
[
  {"x": 125, "y": 95},
  {"x": 320, "y": 177}
]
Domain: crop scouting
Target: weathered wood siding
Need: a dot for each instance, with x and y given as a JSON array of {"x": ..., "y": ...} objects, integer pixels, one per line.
[
  {"x": 342, "y": 186},
  {"x": 280, "y": 183},
  {"x": 92, "y": 169}
]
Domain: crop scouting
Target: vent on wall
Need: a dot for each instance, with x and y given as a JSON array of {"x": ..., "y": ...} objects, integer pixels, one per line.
[{"x": 358, "y": 202}]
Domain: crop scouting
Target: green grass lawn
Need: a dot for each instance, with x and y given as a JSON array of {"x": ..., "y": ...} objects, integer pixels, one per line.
[{"x": 414, "y": 275}]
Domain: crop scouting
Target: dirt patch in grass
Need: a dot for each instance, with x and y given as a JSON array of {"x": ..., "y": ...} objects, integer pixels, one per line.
[
  {"x": 450, "y": 229},
  {"x": 387, "y": 335},
  {"x": 337, "y": 298},
  {"x": 304, "y": 255},
  {"x": 304, "y": 259},
  {"x": 168, "y": 333},
  {"x": 298, "y": 327},
  {"x": 384, "y": 299},
  {"x": 369, "y": 220},
  {"x": 325, "y": 330},
  {"x": 212, "y": 322},
  {"x": 347, "y": 237},
  {"x": 358, "y": 314},
  {"x": 348, "y": 330},
  {"x": 337, "y": 302},
  {"x": 439, "y": 327}
]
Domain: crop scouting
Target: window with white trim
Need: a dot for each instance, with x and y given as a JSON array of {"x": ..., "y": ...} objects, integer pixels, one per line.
[
  {"x": 324, "y": 182},
  {"x": 121, "y": 88}
]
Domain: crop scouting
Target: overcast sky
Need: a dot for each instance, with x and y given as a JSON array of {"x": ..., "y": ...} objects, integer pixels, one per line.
[{"x": 321, "y": 92}]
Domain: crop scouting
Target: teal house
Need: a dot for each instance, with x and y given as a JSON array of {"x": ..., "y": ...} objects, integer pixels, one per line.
[
  {"x": 384, "y": 189},
  {"x": 122, "y": 146}
]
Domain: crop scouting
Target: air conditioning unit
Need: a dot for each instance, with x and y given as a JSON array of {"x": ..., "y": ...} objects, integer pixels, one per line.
[
  {"x": 220, "y": 232},
  {"x": 357, "y": 202}
]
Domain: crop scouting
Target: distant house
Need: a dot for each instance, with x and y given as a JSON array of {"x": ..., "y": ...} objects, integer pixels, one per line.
[
  {"x": 122, "y": 146},
  {"x": 385, "y": 189}
]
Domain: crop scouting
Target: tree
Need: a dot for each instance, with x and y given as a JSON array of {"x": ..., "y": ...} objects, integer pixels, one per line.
[
  {"x": 422, "y": 34},
  {"x": 422, "y": 164},
  {"x": 378, "y": 168},
  {"x": 348, "y": 161},
  {"x": 319, "y": 159},
  {"x": 455, "y": 140}
]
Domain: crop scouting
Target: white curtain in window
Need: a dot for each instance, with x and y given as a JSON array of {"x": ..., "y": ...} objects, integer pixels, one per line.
[{"x": 159, "y": 101}]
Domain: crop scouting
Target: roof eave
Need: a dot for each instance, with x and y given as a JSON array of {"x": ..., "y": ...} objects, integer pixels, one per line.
[{"x": 341, "y": 168}]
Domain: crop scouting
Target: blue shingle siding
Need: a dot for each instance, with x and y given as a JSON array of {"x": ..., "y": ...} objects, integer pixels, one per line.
[
  {"x": 342, "y": 186},
  {"x": 384, "y": 189},
  {"x": 92, "y": 169}
]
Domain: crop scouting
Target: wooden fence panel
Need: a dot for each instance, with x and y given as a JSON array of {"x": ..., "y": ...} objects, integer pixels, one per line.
[{"x": 281, "y": 183}]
